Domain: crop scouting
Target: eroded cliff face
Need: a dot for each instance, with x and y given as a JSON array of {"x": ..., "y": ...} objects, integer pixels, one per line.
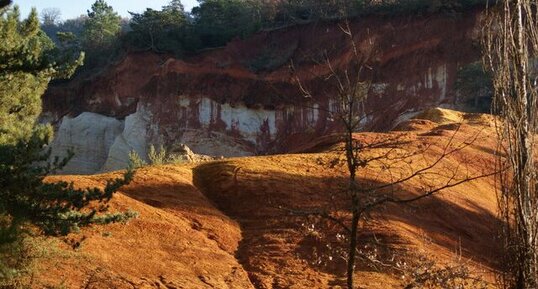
[
  {"x": 243, "y": 100},
  {"x": 90, "y": 137}
]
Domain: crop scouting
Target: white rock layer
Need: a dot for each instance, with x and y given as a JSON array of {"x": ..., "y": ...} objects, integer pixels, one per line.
[
  {"x": 133, "y": 138},
  {"x": 90, "y": 136}
]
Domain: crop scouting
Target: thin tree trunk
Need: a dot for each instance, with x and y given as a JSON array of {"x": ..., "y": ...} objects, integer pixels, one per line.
[
  {"x": 352, "y": 166},
  {"x": 511, "y": 42},
  {"x": 353, "y": 244}
]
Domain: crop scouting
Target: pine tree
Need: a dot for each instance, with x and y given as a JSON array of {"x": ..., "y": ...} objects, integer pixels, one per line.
[
  {"x": 160, "y": 31},
  {"x": 23, "y": 74},
  {"x": 175, "y": 5},
  {"x": 219, "y": 21},
  {"x": 102, "y": 26},
  {"x": 28, "y": 61}
]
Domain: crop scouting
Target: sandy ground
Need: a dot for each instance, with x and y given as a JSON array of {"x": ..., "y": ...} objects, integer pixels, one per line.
[{"x": 238, "y": 223}]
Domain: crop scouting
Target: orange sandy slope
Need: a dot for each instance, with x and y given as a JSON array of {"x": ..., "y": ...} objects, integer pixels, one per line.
[{"x": 226, "y": 224}]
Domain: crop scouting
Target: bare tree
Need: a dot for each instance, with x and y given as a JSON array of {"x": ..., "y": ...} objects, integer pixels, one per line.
[
  {"x": 511, "y": 46},
  {"x": 392, "y": 157},
  {"x": 50, "y": 16}
]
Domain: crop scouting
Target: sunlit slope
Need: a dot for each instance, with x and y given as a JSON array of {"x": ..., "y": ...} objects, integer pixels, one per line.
[
  {"x": 237, "y": 223},
  {"x": 179, "y": 240},
  {"x": 281, "y": 249}
]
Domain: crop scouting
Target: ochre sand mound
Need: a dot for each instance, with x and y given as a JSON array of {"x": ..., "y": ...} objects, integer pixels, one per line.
[
  {"x": 180, "y": 240},
  {"x": 227, "y": 224}
]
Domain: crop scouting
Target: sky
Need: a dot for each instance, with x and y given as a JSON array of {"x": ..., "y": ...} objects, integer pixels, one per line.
[{"x": 74, "y": 8}]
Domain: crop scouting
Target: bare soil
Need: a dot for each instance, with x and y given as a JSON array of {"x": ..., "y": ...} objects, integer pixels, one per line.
[{"x": 226, "y": 224}]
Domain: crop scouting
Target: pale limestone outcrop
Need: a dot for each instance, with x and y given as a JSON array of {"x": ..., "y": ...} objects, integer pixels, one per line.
[
  {"x": 133, "y": 138},
  {"x": 90, "y": 136},
  {"x": 180, "y": 153},
  {"x": 247, "y": 121},
  {"x": 217, "y": 144}
]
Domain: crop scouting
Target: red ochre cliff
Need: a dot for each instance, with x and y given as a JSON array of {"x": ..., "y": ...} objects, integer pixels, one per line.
[{"x": 242, "y": 99}]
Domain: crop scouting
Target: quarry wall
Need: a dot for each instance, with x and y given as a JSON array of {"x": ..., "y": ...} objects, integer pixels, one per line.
[{"x": 243, "y": 99}]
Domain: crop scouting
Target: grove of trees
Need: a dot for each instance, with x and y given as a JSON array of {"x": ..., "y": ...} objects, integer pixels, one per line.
[
  {"x": 165, "y": 30},
  {"x": 213, "y": 23}
]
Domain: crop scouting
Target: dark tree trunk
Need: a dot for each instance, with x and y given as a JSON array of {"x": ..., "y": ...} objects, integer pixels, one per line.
[{"x": 353, "y": 243}]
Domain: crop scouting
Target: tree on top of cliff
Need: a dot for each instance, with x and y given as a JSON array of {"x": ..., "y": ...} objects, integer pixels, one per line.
[
  {"x": 50, "y": 16},
  {"x": 161, "y": 31},
  {"x": 102, "y": 27},
  {"x": 175, "y": 5},
  {"x": 218, "y": 21},
  {"x": 304, "y": 11}
]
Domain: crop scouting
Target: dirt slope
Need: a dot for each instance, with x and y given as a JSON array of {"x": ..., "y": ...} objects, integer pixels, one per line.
[
  {"x": 286, "y": 251},
  {"x": 179, "y": 241},
  {"x": 226, "y": 224}
]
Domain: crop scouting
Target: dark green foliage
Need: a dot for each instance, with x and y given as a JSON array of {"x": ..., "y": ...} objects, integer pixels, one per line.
[
  {"x": 74, "y": 26},
  {"x": 174, "y": 5},
  {"x": 304, "y": 11},
  {"x": 57, "y": 208},
  {"x": 100, "y": 37},
  {"x": 28, "y": 61},
  {"x": 160, "y": 31},
  {"x": 215, "y": 22},
  {"x": 218, "y": 21},
  {"x": 102, "y": 27},
  {"x": 414, "y": 7}
]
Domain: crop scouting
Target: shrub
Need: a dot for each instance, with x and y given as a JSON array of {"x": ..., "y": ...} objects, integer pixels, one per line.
[
  {"x": 157, "y": 157},
  {"x": 135, "y": 161}
]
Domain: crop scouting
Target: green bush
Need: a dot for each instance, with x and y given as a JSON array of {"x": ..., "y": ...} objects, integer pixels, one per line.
[
  {"x": 160, "y": 31},
  {"x": 216, "y": 22},
  {"x": 413, "y": 7},
  {"x": 303, "y": 11},
  {"x": 156, "y": 157},
  {"x": 102, "y": 27},
  {"x": 135, "y": 161}
]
